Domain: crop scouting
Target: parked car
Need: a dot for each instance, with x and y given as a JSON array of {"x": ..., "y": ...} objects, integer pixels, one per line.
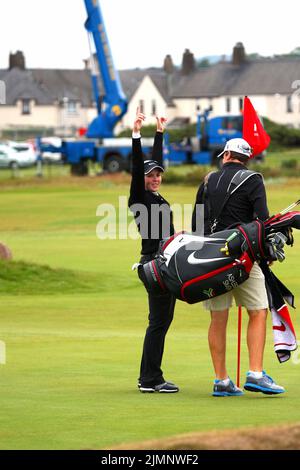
[
  {"x": 9, "y": 158},
  {"x": 16, "y": 154},
  {"x": 26, "y": 153}
]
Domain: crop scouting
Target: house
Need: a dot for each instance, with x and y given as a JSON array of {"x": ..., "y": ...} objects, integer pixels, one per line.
[
  {"x": 63, "y": 99},
  {"x": 37, "y": 98},
  {"x": 272, "y": 84}
]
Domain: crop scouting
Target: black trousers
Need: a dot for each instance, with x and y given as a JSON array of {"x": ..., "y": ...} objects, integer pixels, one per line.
[{"x": 161, "y": 312}]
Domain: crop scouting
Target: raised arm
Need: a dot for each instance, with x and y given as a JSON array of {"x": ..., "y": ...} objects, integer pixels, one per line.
[
  {"x": 137, "y": 187},
  {"x": 157, "y": 152}
]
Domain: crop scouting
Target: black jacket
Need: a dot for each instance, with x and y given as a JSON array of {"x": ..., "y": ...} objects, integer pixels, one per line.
[
  {"x": 246, "y": 204},
  {"x": 158, "y": 221}
]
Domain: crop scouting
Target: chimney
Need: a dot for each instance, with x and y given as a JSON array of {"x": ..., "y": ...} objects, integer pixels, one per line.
[
  {"x": 17, "y": 60},
  {"x": 188, "y": 62},
  {"x": 239, "y": 54},
  {"x": 168, "y": 64}
]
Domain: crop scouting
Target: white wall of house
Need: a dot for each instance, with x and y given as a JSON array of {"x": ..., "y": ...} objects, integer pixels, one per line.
[
  {"x": 44, "y": 116},
  {"x": 39, "y": 116},
  {"x": 226, "y": 105},
  {"x": 187, "y": 107},
  {"x": 148, "y": 94},
  {"x": 274, "y": 107},
  {"x": 79, "y": 117},
  {"x": 277, "y": 109}
]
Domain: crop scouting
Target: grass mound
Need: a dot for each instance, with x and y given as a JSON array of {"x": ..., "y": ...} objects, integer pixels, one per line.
[
  {"x": 285, "y": 437},
  {"x": 18, "y": 277}
]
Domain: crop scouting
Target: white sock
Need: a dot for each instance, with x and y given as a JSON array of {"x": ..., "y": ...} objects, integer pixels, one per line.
[
  {"x": 256, "y": 375},
  {"x": 225, "y": 381}
]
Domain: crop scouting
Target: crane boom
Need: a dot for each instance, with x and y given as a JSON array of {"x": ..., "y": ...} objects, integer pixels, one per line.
[{"x": 114, "y": 102}]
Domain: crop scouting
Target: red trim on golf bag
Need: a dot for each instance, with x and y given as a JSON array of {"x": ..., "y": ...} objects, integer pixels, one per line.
[
  {"x": 260, "y": 240},
  {"x": 254, "y": 241},
  {"x": 171, "y": 239},
  {"x": 248, "y": 241},
  {"x": 245, "y": 260},
  {"x": 280, "y": 218}
]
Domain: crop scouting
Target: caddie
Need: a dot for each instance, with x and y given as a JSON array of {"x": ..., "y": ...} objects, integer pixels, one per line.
[{"x": 234, "y": 195}]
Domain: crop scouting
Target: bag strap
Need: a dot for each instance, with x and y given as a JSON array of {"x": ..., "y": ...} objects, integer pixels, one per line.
[{"x": 240, "y": 177}]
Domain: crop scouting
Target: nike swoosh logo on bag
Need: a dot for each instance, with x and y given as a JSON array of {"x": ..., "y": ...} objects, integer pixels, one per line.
[
  {"x": 192, "y": 260},
  {"x": 280, "y": 328}
]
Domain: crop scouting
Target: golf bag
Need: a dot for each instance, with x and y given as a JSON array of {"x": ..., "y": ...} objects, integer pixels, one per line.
[{"x": 195, "y": 268}]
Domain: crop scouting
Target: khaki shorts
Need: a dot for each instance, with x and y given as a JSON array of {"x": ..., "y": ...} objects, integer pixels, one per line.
[{"x": 251, "y": 294}]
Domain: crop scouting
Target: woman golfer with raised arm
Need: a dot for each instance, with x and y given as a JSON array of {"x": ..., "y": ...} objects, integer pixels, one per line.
[{"x": 156, "y": 224}]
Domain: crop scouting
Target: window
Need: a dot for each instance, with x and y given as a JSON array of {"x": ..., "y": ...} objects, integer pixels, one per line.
[
  {"x": 71, "y": 107},
  {"x": 289, "y": 107},
  {"x": 26, "y": 106},
  {"x": 241, "y": 104},
  {"x": 142, "y": 106},
  {"x": 233, "y": 123},
  {"x": 153, "y": 108},
  {"x": 228, "y": 105}
]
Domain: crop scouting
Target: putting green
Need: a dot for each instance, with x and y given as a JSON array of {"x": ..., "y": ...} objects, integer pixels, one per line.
[{"x": 69, "y": 381}]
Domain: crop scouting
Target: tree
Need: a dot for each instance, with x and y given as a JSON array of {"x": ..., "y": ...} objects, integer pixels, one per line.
[{"x": 203, "y": 62}]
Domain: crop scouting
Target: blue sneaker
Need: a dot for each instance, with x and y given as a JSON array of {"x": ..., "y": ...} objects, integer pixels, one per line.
[
  {"x": 265, "y": 384},
  {"x": 229, "y": 390}
]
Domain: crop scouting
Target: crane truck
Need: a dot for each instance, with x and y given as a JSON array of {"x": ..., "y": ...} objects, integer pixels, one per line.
[
  {"x": 209, "y": 140},
  {"x": 99, "y": 143}
]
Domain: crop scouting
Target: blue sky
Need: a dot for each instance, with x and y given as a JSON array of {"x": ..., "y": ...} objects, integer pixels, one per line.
[{"x": 141, "y": 33}]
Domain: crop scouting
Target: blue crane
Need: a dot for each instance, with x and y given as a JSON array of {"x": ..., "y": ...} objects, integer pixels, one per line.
[{"x": 113, "y": 104}]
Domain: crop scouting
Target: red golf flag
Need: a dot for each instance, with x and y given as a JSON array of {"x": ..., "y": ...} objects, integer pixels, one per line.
[{"x": 253, "y": 131}]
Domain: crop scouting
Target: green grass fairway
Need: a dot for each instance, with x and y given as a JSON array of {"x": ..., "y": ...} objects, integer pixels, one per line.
[{"x": 74, "y": 331}]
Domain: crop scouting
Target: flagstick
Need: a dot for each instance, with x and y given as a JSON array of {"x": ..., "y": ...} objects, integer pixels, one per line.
[{"x": 239, "y": 346}]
